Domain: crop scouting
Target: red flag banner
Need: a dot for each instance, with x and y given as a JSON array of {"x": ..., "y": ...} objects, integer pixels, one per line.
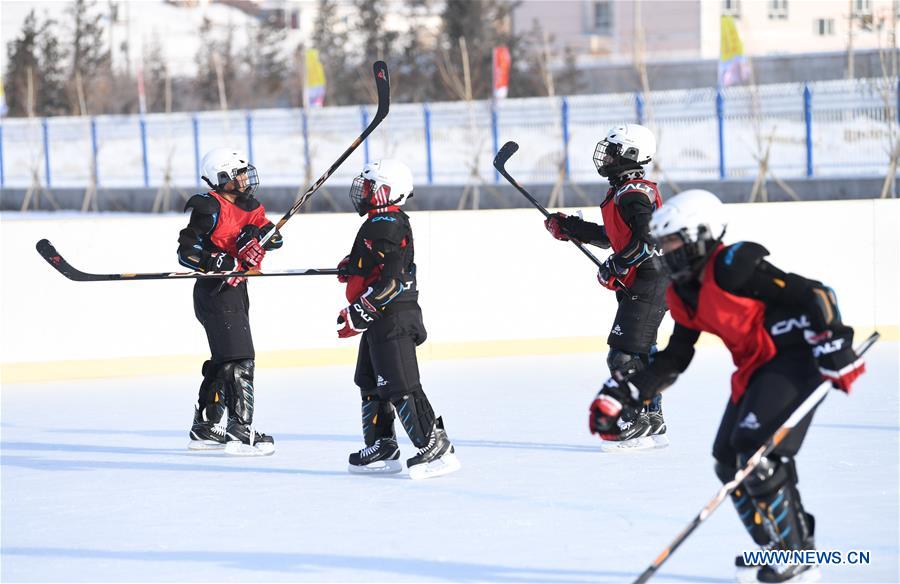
[{"x": 502, "y": 63}]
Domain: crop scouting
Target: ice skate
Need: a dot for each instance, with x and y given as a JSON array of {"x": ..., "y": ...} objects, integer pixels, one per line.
[
  {"x": 634, "y": 436},
  {"x": 436, "y": 458},
  {"x": 244, "y": 440},
  {"x": 383, "y": 457},
  {"x": 657, "y": 425},
  {"x": 205, "y": 434}
]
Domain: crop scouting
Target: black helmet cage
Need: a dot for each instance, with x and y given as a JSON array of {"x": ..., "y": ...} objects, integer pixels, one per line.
[
  {"x": 365, "y": 199},
  {"x": 684, "y": 264},
  {"x": 223, "y": 179},
  {"x": 611, "y": 161}
]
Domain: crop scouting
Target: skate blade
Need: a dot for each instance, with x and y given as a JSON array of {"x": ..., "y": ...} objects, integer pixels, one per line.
[
  {"x": 443, "y": 465},
  {"x": 206, "y": 445},
  {"x": 632, "y": 445},
  {"x": 379, "y": 467},
  {"x": 236, "y": 448},
  {"x": 746, "y": 575},
  {"x": 660, "y": 440}
]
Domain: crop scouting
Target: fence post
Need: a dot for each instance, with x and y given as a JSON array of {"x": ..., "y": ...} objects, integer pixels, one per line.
[
  {"x": 94, "y": 152},
  {"x": 807, "y": 118},
  {"x": 249, "y": 119},
  {"x": 307, "y": 162},
  {"x": 639, "y": 107},
  {"x": 143, "y": 125},
  {"x": 565, "y": 133},
  {"x": 195, "y": 125},
  {"x": 495, "y": 135},
  {"x": 426, "y": 111},
  {"x": 2, "y": 176},
  {"x": 364, "y": 118},
  {"x": 46, "y": 151},
  {"x": 720, "y": 118}
]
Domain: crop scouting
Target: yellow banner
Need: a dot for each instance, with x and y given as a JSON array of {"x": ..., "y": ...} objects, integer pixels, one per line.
[
  {"x": 315, "y": 79},
  {"x": 731, "y": 41}
]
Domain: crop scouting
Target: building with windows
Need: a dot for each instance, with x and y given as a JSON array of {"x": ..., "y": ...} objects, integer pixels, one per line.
[{"x": 690, "y": 29}]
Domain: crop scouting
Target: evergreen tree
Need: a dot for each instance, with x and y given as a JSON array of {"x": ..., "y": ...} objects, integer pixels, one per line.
[
  {"x": 268, "y": 63},
  {"x": 22, "y": 61},
  {"x": 330, "y": 39}
]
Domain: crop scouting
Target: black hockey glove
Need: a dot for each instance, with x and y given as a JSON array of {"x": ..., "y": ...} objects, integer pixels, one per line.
[
  {"x": 838, "y": 362},
  {"x": 219, "y": 262},
  {"x": 357, "y": 317},
  {"x": 612, "y": 400}
]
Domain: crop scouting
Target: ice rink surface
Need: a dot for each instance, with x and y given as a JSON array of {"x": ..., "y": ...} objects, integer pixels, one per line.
[{"x": 97, "y": 485}]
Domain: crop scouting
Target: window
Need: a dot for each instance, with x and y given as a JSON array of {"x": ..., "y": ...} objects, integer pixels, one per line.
[
  {"x": 823, "y": 26},
  {"x": 731, "y": 8},
  {"x": 778, "y": 9},
  {"x": 603, "y": 17},
  {"x": 862, "y": 8}
]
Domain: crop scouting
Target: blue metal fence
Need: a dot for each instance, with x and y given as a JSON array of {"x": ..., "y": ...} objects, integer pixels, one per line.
[{"x": 806, "y": 130}]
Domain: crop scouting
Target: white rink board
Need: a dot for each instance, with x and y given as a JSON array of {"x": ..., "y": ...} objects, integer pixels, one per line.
[{"x": 483, "y": 276}]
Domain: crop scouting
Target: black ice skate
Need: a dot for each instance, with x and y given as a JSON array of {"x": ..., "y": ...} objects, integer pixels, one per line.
[
  {"x": 634, "y": 435},
  {"x": 383, "y": 457},
  {"x": 657, "y": 427},
  {"x": 436, "y": 458},
  {"x": 244, "y": 440},
  {"x": 205, "y": 434}
]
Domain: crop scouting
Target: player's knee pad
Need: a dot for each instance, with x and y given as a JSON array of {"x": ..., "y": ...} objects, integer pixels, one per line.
[
  {"x": 237, "y": 378},
  {"x": 415, "y": 413},
  {"x": 743, "y": 504},
  {"x": 768, "y": 476},
  {"x": 625, "y": 363}
]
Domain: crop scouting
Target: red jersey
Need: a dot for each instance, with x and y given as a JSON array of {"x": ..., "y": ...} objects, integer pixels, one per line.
[
  {"x": 737, "y": 320},
  {"x": 617, "y": 230},
  {"x": 229, "y": 222}
]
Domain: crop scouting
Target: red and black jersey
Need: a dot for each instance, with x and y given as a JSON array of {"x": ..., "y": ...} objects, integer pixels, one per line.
[
  {"x": 214, "y": 226},
  {"x": 626, "y": 220},
  {"x": 739, "y": 321},
  {"x": 382, "y": 257}
]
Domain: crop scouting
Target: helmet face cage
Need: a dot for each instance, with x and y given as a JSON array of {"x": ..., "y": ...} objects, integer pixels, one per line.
[
  {"x": 245, "y": 179},
  {"x": 684, "y": 264},
  {"x": 610, "y": 160},
  {"x": 361, "y": 194}
]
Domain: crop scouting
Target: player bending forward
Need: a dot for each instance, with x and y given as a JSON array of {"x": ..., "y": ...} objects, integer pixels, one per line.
[
  {"x": 785, "y": 335},
  {"x": 381, "y": 287},
  {"x": 626, "y": 210},
  {"x": 222, "y": 235}
]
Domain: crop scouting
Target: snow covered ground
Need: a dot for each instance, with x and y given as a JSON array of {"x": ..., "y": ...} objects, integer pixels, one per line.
[{"x": 97, "y": 485}]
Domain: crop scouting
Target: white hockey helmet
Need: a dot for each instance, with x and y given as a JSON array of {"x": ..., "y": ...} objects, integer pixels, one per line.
[
  {"x": 697, "y": 218},
  {"x": 221, "y": 166},
  {"x": 382, "y": 183},
  {"x": 625, "y": 147}
]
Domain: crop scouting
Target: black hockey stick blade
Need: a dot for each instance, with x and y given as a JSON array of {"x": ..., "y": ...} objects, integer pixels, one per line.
[
  {"x": 59, "y": 263},
  {"x": 799, "y": 413},
  {"x": 504, "y": 154}
]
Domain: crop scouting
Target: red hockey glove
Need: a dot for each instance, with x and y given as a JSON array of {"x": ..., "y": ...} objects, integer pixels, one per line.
[
  {"x": 607, "y": 407},
  {"x": 235, "y": 280},
  {"x": 250, "y": 252},
  {"x": 838, "y": 362},
  {"x": 343, "y": 276},
  {"x": 555, "y": 224},
  {"x": 357, "y": 317},
  {"x": 610, "y": 273}
]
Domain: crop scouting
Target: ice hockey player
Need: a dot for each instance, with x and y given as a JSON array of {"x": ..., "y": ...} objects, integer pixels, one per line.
[
  {"x": 639, "y": 284},
  {"x": 785, "y": 335},
  {"x": 380, "y": 276},
  {"x": 223, "y": 235}
]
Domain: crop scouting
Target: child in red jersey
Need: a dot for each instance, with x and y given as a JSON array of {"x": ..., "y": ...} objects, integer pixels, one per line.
[
  {"x": 222, "y": 235},
  {"x": 785, "y": 335}
]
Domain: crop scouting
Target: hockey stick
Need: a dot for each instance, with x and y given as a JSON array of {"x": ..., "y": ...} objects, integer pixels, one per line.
[
  {"x": 383, "y": 87},
  {"x": 802, "y": 410},
  {"x": 59, "y": 263},
  {"x": 504, "y": 154}
]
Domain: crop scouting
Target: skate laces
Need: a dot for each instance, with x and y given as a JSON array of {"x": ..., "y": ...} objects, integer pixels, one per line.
[
  {"x": 431, "y": 441},
  {"x": 370, "y": 449}
]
